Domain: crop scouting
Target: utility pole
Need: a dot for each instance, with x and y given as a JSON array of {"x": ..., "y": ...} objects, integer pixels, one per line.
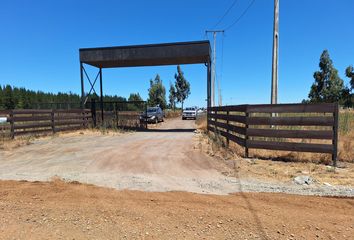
[
  {"x": 274, "y": 90},
  {"x": 213, "y": 65},
  {"x": 219, "y": 93}
]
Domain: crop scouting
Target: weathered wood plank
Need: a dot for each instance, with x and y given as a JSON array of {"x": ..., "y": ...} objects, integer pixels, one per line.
[
  {"x": 233, "y": 108},
  {"x": 31, "y": 118},
  {"x": 292, "y": 108},
  {"x": 233, "y": 128},
  {"x": 62, "y": 117},
  {"x": 232, "y": 118},
  {"x": 62, "y": 123},
  {"x": 231, "y": 137},
  {"x": 37, "y": 131},
  {"x": 290, "y": 146},
  {"x": 32, "y": 111},
  {"x": 291, "y": 121},
  {"x": 72, "y": 110},
  {"x": 32, "y": 125},
  {"x": 277, "y": 133},
  {"x": 70, "y": 128}
]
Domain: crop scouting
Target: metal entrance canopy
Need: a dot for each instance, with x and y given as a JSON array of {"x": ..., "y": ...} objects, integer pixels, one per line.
[{"x": 144, "y": 55}]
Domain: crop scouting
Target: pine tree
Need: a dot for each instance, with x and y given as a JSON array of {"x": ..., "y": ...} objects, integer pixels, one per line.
[
  {"x": 349, "y": 72},
  {"x": 172, "y": 97},
  {"x": 328, "y": 86},
  {"x": 8, "y": 98},
  {"x": 157, "y": 93},
  {"x": 182, "y": 86}
]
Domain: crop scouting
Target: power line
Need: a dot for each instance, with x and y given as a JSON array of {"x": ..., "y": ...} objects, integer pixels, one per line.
[
  {"x": 227, "y": 12},
  {"x": 239, "y": 18}
]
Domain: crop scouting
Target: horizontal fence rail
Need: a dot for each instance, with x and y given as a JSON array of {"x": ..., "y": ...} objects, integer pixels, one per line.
[
  {"x": 119, "y": 114},
  {"x": 273, "y": 127},
  {"x": 30, "y": 121}
]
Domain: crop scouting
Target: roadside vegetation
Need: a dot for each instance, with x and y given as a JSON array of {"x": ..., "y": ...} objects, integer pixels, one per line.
[
  {"x": 328, "y": 86},
  {"x": 345, "y": 144}
]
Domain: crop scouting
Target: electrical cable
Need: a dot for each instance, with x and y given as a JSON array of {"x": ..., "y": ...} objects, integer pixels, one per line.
[
  {"x": 227, "y": 12},
  {"x": 239, "y": 18}
]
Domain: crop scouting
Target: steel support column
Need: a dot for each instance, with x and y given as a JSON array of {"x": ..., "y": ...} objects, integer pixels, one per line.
[
  {"x": 208, "y": 85},
  {"x": 82, "y": 85},
  {"x": 101, "y": 97}
]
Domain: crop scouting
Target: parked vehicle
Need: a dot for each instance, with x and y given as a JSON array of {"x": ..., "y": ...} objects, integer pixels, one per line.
[
  {"x": 152, "y": 115},
  {"x": 190, "y": 112}
]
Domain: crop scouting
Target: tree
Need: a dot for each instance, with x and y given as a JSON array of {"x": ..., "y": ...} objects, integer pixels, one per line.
[
  {"x": 347, "y": 96},
  {"x": 349, "y": 72},
  {"x": 328, "y": 86},
  {"x": 172, "y": 97},
  {"x": 134, "y": 97},
  {"x": 8, "y": 98},
  {"x": 137, "y": 102},
  {"x": 182, "y": 86},
  {"x": 157, "y": 93}
]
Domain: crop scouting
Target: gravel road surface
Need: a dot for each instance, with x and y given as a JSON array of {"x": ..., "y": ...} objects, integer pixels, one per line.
[{"x": 165, "y": 158}]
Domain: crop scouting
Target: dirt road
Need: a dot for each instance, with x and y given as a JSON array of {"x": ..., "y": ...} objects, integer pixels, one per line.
[
  {"x": 166, "y": 158},
  {"x": 58, "y": 210},
  {"x": 162, "y": 159}
]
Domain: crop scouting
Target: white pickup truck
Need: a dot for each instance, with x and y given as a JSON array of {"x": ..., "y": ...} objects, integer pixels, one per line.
[{"x": 189, "y": 112}]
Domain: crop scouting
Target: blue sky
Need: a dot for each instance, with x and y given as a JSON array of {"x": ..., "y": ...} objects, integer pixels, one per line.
[{"x": 40, "y": 40}]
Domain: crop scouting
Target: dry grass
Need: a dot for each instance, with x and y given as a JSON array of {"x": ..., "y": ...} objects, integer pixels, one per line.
[
  {"x": 169, "y": 113},
  {"x": 275, "y": 168},
  {"x": 9, "y": 144},
  {"x": 201, "y": 122},
  {"x": 345, "y": 144}
]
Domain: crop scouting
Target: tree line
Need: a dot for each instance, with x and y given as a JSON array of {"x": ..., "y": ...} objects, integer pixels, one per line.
[
  {"x": 22, "y": 98},
  {"x": 328, "y": 86}
]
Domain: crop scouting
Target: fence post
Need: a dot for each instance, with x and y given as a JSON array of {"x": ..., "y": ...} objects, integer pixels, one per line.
[
  {"x": 93, "y": 111},
  {"x": 84, "y": 118},
  {"x": 52, "y": 120},
  {"x": 116, "y": 112},
  {"x": 335, "y": 135},
  {"x": 228, "y": 127},
  {"x": 12, "y": 124},
  {"x": 246, "y": 134},
  {"x": 145, "y": 119},
  {"x": 216, "y": 120},
  {"x": 208, "y": 116}
]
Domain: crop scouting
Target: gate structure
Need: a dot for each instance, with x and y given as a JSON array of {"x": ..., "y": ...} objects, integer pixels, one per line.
[{"x": 142, "y": 55}]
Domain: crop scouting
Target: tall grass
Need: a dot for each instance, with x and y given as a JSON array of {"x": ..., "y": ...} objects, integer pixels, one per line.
[{"x": 345, "y": 141}]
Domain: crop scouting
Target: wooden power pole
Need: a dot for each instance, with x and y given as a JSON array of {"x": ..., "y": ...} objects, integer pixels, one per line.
[{"x": 274, "y": 91}]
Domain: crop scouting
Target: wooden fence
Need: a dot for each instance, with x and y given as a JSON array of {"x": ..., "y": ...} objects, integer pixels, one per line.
[
  {"x": 21, "y": 122},
  {"x": 274, "y": 127}
]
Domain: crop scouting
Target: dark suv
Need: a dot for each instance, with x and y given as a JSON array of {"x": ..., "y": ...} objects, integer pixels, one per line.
[{"x": 152, "y": 115}]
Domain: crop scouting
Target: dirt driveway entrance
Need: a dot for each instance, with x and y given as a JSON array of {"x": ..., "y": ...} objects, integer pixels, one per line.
[{"x": 166, "y": 158}]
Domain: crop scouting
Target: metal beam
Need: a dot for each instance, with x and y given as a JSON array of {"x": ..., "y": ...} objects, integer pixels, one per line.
[
  {"x": 208, "y": 85},
  {"x": 147, "y": 55},
  {"x": 101, "y": 97},
  {"x": 82, "y": 85}
]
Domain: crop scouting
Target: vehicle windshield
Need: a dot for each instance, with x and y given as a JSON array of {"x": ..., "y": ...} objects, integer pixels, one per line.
[
  {"x": 190, "y": 109},
  {"x": 152, "y": 110}
]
